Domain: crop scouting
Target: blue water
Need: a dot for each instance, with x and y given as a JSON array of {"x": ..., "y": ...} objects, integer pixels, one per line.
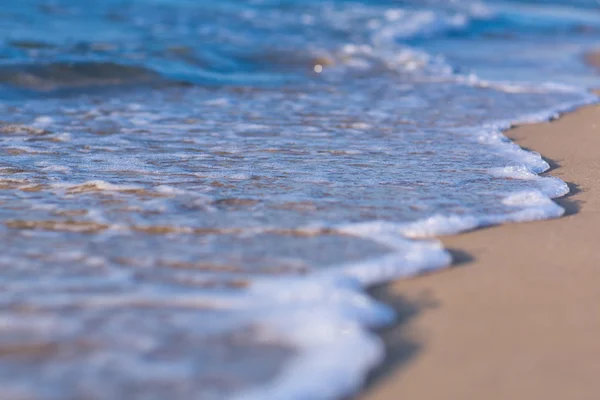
[{"x": 195, "y": 194}]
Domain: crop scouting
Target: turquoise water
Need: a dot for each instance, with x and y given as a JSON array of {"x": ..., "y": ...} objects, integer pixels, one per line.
[{"x": 195, "y": 194}]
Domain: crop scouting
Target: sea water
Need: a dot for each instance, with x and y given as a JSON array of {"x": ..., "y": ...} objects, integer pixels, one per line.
[{"x": 195, "y": 194}]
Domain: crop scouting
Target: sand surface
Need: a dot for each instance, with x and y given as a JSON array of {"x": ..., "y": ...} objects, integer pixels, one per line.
[{"x": 518, "y": 317}]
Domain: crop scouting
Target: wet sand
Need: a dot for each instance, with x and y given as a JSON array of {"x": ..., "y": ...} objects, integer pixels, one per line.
[{"x": 518, "y": 316}]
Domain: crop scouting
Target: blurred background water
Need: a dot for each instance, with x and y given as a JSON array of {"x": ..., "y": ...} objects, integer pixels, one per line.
[{"x": 195, "y": 193}]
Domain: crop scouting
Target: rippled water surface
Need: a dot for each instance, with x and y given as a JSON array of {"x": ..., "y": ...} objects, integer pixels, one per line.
[{"x": 194, "y": 194}]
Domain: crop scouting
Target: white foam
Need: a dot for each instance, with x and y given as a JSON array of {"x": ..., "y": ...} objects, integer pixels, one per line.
[{"x": 327, "y": 317}]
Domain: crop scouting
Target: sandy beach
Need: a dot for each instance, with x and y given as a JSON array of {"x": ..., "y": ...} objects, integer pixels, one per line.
[{"x": 517, "y": 316}]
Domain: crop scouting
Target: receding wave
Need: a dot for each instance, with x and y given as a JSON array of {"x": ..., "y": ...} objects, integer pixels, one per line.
[
  {"x": 212, "y": 242},
  {"x": 75, "y": 75}
]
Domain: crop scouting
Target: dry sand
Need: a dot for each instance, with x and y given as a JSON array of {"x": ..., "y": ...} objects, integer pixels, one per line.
[{"x": 519, "y": 316}]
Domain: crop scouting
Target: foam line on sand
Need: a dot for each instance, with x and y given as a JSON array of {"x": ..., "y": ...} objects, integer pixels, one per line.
[{"x": 518, "y": 317}]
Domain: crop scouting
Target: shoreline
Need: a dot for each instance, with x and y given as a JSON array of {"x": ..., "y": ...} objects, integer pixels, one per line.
[{"x": 515, "y": 316}]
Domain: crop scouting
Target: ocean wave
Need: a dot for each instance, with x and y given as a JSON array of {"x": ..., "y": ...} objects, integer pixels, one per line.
[
  {"x": 215, "y": 239},
  {"x": 75, "y": 75}
]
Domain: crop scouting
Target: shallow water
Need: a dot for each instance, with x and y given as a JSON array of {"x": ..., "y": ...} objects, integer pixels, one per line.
[{"x": 195, "y": 194}]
